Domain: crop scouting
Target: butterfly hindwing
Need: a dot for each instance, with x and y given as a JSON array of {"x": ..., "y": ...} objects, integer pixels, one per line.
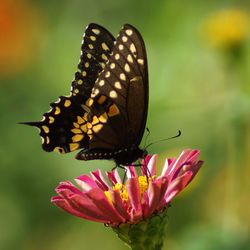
[{"x": 60, "y": 128}]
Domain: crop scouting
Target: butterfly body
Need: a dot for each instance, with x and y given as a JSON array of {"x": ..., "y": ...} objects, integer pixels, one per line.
[
  {"x": 123, "y": 156},
  {"x": 105, "y": 114}
]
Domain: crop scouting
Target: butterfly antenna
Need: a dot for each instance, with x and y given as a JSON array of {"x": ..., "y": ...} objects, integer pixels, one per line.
[{"x": 150, "y": 144}]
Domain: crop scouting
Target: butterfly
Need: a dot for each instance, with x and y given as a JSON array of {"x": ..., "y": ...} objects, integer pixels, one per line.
[{"x": 106, "y": 112}]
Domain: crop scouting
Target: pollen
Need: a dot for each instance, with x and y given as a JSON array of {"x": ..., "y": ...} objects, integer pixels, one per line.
[
  {"x": 143, "y": 184},
  {"x": 122, "y": 190}
]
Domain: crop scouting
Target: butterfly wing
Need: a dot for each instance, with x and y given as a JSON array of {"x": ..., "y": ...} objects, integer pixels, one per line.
[
  {"x": 119, "y": 99},
  {"x": 66, "y": 116}
]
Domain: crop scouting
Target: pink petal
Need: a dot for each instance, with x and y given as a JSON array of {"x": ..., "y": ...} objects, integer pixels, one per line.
[
  {"x": 178, "y": 185},
  {"x": 151, "y": 166},
  {"x": 132, "y": 186},
  {"x": 156, "y": 193},
  {"x": 120, "y": 205},
  {"x": 80, "y": 205},
  {"x": 114, "y": 177},
  {"x": 145, "y": 205},
  {"x": 86, "y": 182},
  {"x": 100, "y": 200},
  {"x": 131, "y": 172},
  {"x": 99, "y": 179}
]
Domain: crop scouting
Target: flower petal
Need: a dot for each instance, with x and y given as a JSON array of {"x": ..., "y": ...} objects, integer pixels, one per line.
[
  {"x": 177, "y": 185},
  {"x": 114, "y": 176},
  {"x": 133, "y": 189},
  {"x": 79, "y": 205},
  {"x": 99, "y": 179},
  {"x": 86, "y": 182},
  {"x": 120, "y": 205},
  {"x": 150, "y": 162},
  {"x": 156, "y": 192}
]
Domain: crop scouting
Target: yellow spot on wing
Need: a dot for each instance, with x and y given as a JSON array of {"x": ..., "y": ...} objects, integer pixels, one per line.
[
  {"x": 67, "y": 103},
  {"x": 73, "y": 146},
  {"x": 51, "y": 119},
  {"x": 89, "y": 102},
  {"x": 77, "y": 138},
  {"x": 76, "y": 125},
  {"x": 102, "y": 99},
  {"x": 47, "y": 140},
  {"x": 103, "y": 118},
  {"x": 89, "y": 125},
  {"x": 97, "y": 128},
  {"x": 95, "y": 120},
  {"x": 45, "y": 129},
  {"x": 84, "y": 128},
  {"x": 104, "y": 57},
  {"x": 113, "y": 110},
  {"x": 57, "y": 111},
  {"x": 59, "y": 150},
  {"x": 76, "y": 131},
  {"x": 80, "y": 120},
  {"x": 104, "y": 46}
]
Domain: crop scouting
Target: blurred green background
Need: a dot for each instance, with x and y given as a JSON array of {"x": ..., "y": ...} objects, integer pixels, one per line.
[{"x": 199, "y": 70}]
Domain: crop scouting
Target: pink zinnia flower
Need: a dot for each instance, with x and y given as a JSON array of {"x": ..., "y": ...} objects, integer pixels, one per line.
[{"x": 138, "y": 198}]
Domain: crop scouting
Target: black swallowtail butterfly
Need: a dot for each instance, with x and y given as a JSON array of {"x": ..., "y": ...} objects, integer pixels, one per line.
[{"x": 106, "y": 112}]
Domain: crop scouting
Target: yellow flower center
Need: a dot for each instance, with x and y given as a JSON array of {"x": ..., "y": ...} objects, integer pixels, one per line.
[{"x": 143, "y": 186}]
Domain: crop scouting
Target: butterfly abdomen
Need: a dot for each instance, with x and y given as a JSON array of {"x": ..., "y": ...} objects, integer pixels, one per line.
[{"x": 121, "y": 157}]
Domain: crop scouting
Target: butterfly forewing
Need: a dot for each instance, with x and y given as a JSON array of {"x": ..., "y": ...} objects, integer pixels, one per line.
[{"x": 97, "y": 45}]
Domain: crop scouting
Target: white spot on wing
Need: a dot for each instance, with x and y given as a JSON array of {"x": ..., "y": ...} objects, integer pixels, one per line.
[
  {"x": 118, "y": 85},
  {"x": 124, "y": 39},
  {"x": 129, "y": 58},
  {"x": 140, "y": 61},
  {"x": 129, "y": 32},
  {"x": 117, "y": 56},
  {"x": 104, "y": 46},
  {"x": 127, "y": 68},
  {"x": 107, "y": 74},
  {"x": 122, "y": 76},
  {"x": 101, "y": 83},
  {"x": 113, "y": 94},
  {"x": 96, "y": 31},
  {"x": 132, "y": 48}
]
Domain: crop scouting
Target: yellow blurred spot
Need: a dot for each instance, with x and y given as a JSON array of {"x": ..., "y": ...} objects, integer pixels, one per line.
[{"x": 227, "y": 28}]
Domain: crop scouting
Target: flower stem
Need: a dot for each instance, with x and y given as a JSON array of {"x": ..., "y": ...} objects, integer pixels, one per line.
[{"x": 146, "y": 235}]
